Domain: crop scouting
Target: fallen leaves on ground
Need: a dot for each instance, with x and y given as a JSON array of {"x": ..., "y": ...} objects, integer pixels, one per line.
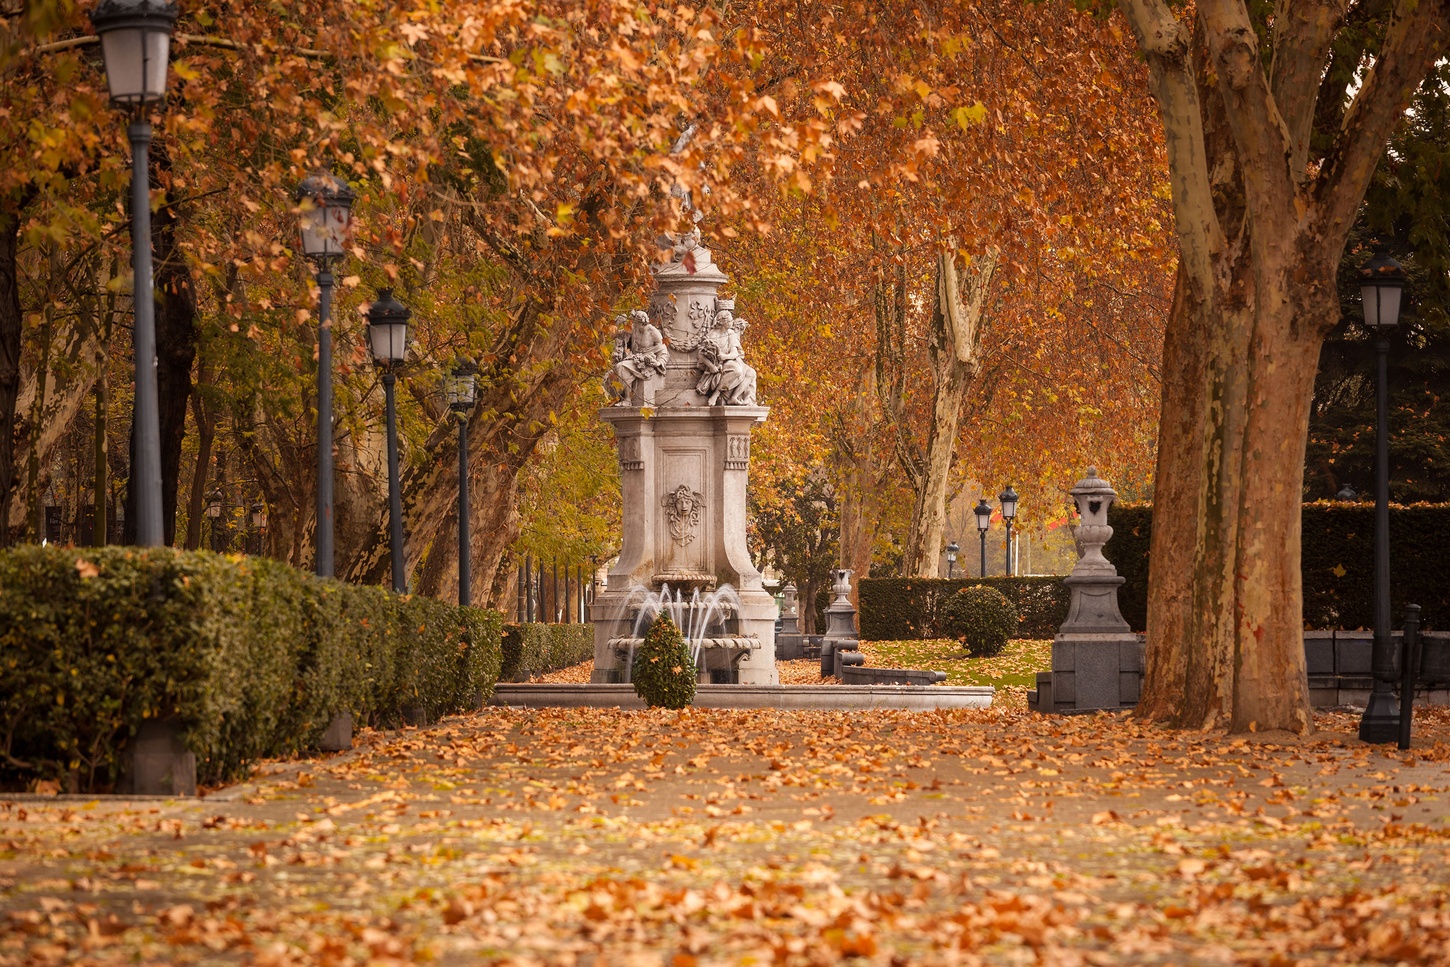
[{"x": 591, "y": 836}]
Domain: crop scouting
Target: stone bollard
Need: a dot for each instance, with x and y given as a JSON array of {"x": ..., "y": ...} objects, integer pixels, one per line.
[{"x": 1097, "y": 661}]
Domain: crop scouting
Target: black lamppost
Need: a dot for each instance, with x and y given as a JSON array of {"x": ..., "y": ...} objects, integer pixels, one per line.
[
  {"x": 1382, "y": 282},
  {"x": 460, "y": 401},
  {"x": 388, "y": 337},
  {"x": 952, "y": 549},
  {"x": 136, "y": 44},
  {"x": 214, "y": 514},
  {"x": 325, "y": 208},
  {"x": 1008, "y": 499},
  {"x": 983, "y": 511},
  {"x": 259, "y": 523}
]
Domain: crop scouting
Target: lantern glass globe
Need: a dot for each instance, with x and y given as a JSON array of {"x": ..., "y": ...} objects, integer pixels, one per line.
[{"x": 136, "y": 47}]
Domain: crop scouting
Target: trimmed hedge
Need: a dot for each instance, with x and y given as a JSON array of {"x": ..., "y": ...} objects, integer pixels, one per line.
[
  {"x": 533, "y": 649},
  {"x": 1337, "y": 568},
  {"x": 252, "y": 655},
  {"x": 901, "y": 609},
  {"x": 1337, "y": 563}
]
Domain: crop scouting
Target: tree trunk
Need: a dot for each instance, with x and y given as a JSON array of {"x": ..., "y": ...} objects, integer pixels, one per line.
[
  {"x": 12, "y": 327},
  {"x": 1261, "y": 230},
  {"x": 955, "y": 335},
  {"x": 205, "y": 422}
]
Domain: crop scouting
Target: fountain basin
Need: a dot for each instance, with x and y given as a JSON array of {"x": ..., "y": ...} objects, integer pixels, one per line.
[{"x": 804, "y": 697}]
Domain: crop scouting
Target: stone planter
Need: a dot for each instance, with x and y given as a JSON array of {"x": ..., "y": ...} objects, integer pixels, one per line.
[
  {"x": 338, "y": 737},
  {"x": 158, "y": 761}
]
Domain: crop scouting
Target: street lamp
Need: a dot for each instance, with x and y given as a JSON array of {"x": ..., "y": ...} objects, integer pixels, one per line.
[
  {"x": 214, "y": 514},
  {"x": 324, "y": 210},
  {"x": 459, "y": 387},
  {"x": 1008, "y": 499},
  {"x": 952, "y": 549},
  {"x": 136, "y": 45},
  {"x": 388, "y": 337},
  {"x": 259, "y": 522},
  {"x": 1382, "y": 283},
  {"x": 983, "y": 511}
]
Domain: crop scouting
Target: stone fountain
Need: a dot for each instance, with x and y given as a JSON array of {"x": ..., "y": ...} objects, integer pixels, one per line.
[{"x": 683, "y": 406}]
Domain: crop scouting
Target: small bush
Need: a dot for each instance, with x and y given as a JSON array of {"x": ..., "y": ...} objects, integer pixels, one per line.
[
  {"x": 982, "y": 619},
  {"x": 663, "y": 673}
]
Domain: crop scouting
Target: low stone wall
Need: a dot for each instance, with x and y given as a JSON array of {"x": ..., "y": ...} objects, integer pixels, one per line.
[{"x": 862, "y": 675}]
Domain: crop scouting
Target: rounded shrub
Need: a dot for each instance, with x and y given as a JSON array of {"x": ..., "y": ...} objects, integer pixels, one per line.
[
  {"x": 663, "y": 673},
  {"x": 981, "y": 618}
]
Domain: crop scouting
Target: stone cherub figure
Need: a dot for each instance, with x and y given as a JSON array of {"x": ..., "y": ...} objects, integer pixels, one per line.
[
  {"x": 639, "y": 354},
  {"x": 725, "y": 377}
]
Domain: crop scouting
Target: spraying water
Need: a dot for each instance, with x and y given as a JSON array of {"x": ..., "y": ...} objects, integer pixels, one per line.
[{"x": 700, "y": 617}]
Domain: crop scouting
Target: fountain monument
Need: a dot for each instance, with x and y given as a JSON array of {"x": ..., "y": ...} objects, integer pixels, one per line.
[{"x": 682, "y": 408}]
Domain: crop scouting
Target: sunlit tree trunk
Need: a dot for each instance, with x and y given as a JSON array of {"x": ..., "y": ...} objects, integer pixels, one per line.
[{"x": 952, "y": 346}]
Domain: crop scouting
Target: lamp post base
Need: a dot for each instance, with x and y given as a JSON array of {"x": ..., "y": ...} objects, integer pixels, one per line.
[{"x": 1381, "y": 721}]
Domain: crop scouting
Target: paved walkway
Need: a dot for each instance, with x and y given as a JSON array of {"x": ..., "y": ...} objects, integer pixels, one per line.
[{"x": 591, "y": 837}]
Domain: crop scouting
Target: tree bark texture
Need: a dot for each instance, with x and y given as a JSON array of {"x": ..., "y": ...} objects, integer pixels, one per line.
[
  {"x": 12, "y": 327},
  {"x": 1261, "y": 232},
  {"x": 205, "y": 421},
  {"x": 952, "y": 346}
]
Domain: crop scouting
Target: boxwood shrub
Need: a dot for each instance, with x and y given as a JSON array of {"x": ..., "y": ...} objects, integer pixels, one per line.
[
  {"x": 253, "y": 656},
  {"x": 663, "y": 672},
  {"x": 535, "y": 648},
  {"x": 981, "y": 618}
]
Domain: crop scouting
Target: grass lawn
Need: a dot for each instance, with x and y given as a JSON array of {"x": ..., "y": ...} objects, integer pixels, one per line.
[{"x": 1016, "y": 667}]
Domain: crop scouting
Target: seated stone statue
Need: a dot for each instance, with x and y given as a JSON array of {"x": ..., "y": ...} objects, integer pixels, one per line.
[
  {"x": 640, "y": 355},
  {"x": 725, "y": 378}
]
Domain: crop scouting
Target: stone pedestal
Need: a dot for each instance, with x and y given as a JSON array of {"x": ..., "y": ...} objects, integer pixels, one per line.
[
  {"x": 684, "y": 463},
  {"x": 1097, "y": 661}
]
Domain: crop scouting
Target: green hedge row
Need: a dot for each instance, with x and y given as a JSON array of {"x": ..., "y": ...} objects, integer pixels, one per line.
[
  {"x": 252, "y": 655},
  {"x": 1338, "y": 574},
  {"x": 899, "y": 609},
  {"x": 534, "y": 648},
  {"x": 1337, "y": 563}
]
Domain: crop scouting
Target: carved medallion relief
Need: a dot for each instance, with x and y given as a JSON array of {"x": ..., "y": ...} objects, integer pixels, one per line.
[{"x": 682, "y": 507}]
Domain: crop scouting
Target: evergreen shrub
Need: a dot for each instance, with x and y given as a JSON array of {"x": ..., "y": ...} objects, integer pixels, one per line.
[
  {"x": 663, "y": 672},
  {"x": 981, "y": 618},
  {"x": 252, "y": 656},
  {"x": 535, "y": 648}
]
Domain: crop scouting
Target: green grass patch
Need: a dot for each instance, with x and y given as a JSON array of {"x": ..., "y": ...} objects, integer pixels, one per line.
[{"x": 1016, "y": 666}]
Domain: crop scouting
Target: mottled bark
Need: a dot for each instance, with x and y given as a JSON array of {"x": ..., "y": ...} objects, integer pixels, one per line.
[
  {"x": 1260, "y": 238},
  {"x": 952, "y": 344},
  {"x": 12, "y": 325}
]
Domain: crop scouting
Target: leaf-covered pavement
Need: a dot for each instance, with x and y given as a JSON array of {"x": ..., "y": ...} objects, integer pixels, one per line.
[{"x": 597, "y": 837}]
